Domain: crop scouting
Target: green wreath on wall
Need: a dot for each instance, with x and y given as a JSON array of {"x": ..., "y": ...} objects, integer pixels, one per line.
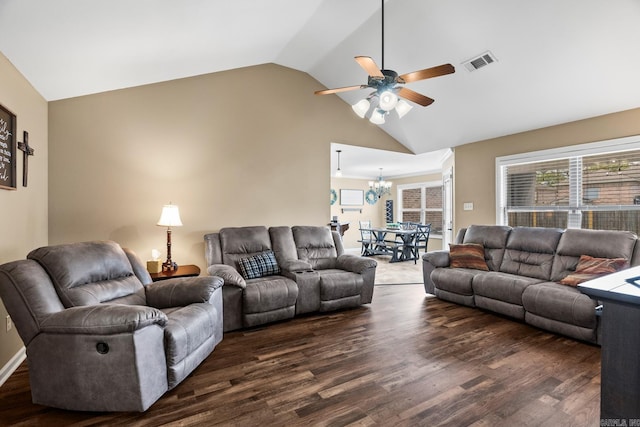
[{"x": 334, "y": 196}]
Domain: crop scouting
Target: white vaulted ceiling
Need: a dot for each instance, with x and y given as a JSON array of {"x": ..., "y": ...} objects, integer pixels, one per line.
[{"x": 557, "y": 61}]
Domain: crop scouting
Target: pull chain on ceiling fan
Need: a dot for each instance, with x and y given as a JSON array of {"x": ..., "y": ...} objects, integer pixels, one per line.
[{"x": 387, "y": 85}]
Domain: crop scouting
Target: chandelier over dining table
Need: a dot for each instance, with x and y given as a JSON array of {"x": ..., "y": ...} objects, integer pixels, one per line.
[{"x": 380, "y": 187}]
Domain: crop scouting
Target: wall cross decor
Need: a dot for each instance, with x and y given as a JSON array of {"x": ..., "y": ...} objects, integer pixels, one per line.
[{"x": 26, "y": 152}]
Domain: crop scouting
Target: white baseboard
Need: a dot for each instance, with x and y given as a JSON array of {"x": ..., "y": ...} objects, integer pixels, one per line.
[{"x": 12, "y": 365}]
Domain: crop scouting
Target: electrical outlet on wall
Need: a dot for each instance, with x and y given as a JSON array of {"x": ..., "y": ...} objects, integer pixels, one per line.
[{"x": 9, "y": 323}]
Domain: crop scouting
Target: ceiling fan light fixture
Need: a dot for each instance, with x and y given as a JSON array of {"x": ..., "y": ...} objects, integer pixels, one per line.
[
  {"x": 377, "y": 117},
  {"x": 403, "y": 108},
  {"x": 388, "y": 100},
  {"x": 361, "y": 107},
  {"x": 385, "y": 83}
]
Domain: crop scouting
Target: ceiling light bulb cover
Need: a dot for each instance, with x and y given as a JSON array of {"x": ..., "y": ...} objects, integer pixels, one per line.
[
  {"x": 403, "y": 108},
  {"x": 388, "y": 100},
  {"x": 377, "y": 117},
  {"x": 361, "y": 107}
]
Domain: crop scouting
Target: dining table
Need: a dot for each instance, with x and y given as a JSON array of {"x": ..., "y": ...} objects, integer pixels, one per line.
[{"x": 400, "y": 250}]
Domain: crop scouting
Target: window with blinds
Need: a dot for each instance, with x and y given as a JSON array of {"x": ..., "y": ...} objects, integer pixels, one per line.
[
  {"x": 537, "y": 194},
  {"x": 611, "y": 191},
  {"x": 593, "y": 188}
]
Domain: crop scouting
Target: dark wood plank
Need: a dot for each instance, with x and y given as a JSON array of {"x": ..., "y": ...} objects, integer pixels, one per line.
[{"x": 406, "y": 360}]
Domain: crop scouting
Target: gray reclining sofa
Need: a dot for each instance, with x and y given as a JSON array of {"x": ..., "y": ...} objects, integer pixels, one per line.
[
  {"x": 526, "y": 265},
  {"x": 295, "y": 270},
  {"x": 99, "y": 335}
]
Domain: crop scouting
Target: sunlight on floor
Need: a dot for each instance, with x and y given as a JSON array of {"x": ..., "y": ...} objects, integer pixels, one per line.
[{"x": 396, "y": 273}]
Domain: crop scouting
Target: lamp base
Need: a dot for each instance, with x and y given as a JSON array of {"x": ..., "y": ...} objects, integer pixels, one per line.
[{"x": 169, "y": 266}]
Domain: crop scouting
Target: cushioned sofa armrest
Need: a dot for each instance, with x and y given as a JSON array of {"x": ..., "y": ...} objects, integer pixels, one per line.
[
  {"x": 354, "y": 263},
  {"x": 437, "y": 258},
  {"x": 431, "y": 261},
  {"x": 179, "y": 292},
  {"x": 102, "y": 319},
  {"x": 294, "y": 265},
  {"x": 139, "y": 269},
  {"x": 228, "y": 274}
]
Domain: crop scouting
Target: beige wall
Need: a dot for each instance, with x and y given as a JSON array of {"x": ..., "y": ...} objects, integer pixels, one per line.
[
  {"x": 243, "y": 147},
  {"x": 373, "y": 213},
  {"x": 23, "y": 213},
  {"x": 475, "y": 163}
]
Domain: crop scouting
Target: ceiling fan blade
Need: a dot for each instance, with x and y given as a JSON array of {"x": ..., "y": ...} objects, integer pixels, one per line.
[
  {"x": 340, "y": 89},
  {"x": 369, "y": 66},
  {"x": 415, "y": 97},
  {"x": 427, "y": 73}
]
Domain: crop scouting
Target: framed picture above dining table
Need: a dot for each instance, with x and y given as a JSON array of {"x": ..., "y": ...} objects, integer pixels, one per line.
[{"x": 351, "y": 197}]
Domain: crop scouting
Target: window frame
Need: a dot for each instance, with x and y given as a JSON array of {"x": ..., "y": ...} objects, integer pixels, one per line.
[
  {"x": 423, "y": 201},
  {"x": 575, "y": 154}
]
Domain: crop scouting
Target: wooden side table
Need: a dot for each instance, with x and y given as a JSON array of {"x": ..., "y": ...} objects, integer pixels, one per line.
[
  {"x": 182, "y": 271},
  {"x": 340, "y": 227}
]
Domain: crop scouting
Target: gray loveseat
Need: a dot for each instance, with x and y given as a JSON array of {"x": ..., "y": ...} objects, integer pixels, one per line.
[
  {"x": 99, "y": 335},
  {"x": 306, "y": 271},
  {"x": 525, "y": 266}
]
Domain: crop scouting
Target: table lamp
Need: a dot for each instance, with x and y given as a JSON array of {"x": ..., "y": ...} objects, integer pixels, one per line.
[{"x": 170, "y": 217}]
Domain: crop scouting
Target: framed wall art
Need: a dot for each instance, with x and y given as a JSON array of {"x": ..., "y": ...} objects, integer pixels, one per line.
[
  {"x": 7, "y": 149},
  {"x": 351, "y": 197}
]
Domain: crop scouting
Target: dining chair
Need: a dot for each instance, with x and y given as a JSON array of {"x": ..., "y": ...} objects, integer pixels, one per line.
[
  {"x": 420, "y": 240},
  {"x": 406, "y": 225},
  {"x": 366, "y": 238}
]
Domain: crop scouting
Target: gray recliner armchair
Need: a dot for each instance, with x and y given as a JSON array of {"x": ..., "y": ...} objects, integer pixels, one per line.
[{"x": 99, "y": 335}]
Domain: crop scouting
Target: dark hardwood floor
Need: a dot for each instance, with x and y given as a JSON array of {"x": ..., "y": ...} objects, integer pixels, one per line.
[{"x": 405, "y": 360}]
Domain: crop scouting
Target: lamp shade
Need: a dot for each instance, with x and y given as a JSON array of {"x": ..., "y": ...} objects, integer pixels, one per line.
[
  {"x": 403, "y": 108},
  {"x": 388, "y": 100},
  {"x": 377, "y": 117},
  {"x": 361, "y": 107},
  {"x": 170, "y": 216}
]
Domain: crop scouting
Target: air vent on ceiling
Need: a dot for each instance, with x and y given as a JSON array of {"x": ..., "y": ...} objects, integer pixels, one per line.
[{"x": 479, "y": 61}]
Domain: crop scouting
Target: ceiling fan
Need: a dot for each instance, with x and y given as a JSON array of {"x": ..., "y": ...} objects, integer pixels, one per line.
[{"x": 387, "y": 85}]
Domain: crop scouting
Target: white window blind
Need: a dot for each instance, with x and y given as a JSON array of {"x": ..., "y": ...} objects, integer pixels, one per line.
[
  {"x": 611, "y": 191},
  {"x": 596, "y": 188},
  {"x": 537, "y": 194}
]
